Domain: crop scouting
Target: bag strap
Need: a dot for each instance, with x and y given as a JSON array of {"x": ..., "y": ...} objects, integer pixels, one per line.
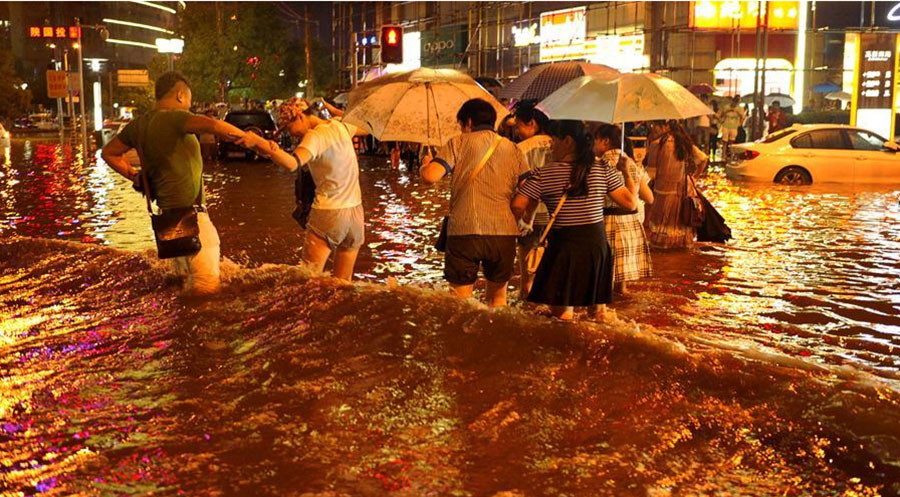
[
  {"x": 146, "y": 184},
  {"x": 484, "y": 160},
  {"x": 553, "y": 218}
]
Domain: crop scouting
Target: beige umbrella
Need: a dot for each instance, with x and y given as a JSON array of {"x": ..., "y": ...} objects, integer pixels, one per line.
[
  {"x": 627, "y": 98},
  {"x": 416, "y": 106}
]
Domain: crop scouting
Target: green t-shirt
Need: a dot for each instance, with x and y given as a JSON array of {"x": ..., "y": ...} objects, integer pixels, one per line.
[{"x": 171, "y": 156}]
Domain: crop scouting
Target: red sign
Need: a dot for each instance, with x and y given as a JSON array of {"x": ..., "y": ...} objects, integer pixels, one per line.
[{"x": 73, "y": 32}]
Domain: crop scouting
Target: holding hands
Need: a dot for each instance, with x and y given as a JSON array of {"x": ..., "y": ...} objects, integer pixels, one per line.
[{"x": 258, "y": 144}]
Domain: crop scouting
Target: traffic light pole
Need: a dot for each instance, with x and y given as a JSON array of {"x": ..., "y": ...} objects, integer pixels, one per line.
[{"x": 84, "y": 137}]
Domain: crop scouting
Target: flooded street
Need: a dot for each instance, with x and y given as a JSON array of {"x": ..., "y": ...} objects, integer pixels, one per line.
[{"x": 768, "y": 366}]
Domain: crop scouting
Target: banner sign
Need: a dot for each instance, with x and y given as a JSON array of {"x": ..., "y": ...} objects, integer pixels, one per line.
[{"x": 138, "y": 78}]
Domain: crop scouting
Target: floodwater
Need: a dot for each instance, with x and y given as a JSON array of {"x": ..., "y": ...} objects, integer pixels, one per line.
[{"x": 767, "y": 366}]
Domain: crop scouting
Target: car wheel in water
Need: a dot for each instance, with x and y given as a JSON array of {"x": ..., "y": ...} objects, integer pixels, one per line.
[{"x": 793, "y": 175}]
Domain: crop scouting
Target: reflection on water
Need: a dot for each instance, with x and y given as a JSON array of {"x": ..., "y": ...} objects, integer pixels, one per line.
[
  {"x": 112, "y": 384},
  {"x": 813, "y": 271}
]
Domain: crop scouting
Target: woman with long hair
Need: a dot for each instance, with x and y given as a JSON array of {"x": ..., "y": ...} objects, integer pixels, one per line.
[
  {"x": 577, "y": 267},
  {"x": 624, "y": 228},
  {"x": 676, "y": 159}
]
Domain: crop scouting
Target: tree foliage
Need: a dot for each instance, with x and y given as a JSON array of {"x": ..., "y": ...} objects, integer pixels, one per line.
[
  {"x": 14, "y": 101},
  {"x": 235, "y": 50}
]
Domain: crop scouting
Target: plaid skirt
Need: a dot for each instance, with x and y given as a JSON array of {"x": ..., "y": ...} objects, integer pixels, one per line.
[{"x": 631, "y": 252}]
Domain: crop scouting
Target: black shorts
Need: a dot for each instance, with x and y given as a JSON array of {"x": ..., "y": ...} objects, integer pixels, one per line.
[{"x": 495, "y": 254}]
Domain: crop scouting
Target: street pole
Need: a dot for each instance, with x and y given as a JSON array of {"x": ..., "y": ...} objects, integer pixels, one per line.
[
  {"x": 70, "y": 102},
  {"x": 84, "y": 137},
  {"x": 59, "y": 113},
  {"x": 310, "y": 87}
]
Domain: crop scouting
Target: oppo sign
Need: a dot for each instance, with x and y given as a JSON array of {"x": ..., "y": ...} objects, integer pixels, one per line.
[{"x": 438, "y": 46}]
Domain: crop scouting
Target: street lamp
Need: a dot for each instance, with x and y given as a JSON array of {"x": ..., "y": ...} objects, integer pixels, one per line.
[{"x": 170, "y": 46}]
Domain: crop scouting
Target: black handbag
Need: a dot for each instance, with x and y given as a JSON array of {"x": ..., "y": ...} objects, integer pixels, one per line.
[
  {"x": 441, "y": 244},
  {"x": 691, "y": 207},
  {"x": 304, "y": 196},
  {"x": 177, "y": 231}
]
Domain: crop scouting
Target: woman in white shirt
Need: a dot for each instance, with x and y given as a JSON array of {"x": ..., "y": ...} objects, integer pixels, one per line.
[{"x": 336, "y": 222}]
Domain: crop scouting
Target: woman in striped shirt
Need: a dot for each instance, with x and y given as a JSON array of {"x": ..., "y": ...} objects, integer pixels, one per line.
[{"x": 576, "y": 269}]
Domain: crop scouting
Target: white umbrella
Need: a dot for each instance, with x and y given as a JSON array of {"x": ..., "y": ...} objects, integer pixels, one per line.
[
  {"x": 838, "y": 95},
  {"x": 627, "y": 98},
  {"x": 416, "y": 106}
]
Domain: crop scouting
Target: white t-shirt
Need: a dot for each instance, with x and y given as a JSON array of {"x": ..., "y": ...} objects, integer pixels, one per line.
[{"x": 333, "y": 165}]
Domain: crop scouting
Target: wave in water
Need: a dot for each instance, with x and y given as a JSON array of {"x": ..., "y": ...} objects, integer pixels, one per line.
[{"x": 289, "y": 384}]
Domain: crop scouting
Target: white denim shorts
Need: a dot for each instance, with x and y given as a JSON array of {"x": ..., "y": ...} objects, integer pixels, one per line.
[{"x": 341, "y": 228}]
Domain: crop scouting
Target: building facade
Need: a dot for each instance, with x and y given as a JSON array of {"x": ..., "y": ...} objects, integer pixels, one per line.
[{"x": 775, "y": 46}]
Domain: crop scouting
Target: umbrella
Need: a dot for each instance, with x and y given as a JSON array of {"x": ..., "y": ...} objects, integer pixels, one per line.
[
  {"x": 827, "y": 87},
  {"x": 783, "y": 99},
  {"x": 838, "y": 95},
  {"x": 539, "y": 82},
  {"x": 627, "y": 98},
  {"x": 702, "y": 89},
  {"x": 416, "y": 106},
  {"x": 341, "y": 98}
]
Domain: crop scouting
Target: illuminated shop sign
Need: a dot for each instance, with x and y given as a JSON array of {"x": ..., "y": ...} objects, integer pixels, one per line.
[
  {"x": 731, "y": 14},
  {"x": 525, "y": 35},
  {"x": 563, "y": 35},
  {"x": 876, "y": 69},
  {"x": 72, "y": 32},
  {"x": 624, "y": 53}
]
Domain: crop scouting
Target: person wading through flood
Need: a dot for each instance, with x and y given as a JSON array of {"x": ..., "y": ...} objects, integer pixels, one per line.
[
  {"x": 577, "y": 267},
  {"x": 481, "y": 229},
  {"x": 531, "y": 127},
  {"x": 624, "y": 227},
  {"x": 170, "y": 153},
  {"x": 335, "y": 222}
]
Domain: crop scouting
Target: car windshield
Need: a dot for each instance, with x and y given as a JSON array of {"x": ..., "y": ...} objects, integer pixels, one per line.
[
  {"x": 778, "y": 135},
  {"x": 260, "y": 120}
]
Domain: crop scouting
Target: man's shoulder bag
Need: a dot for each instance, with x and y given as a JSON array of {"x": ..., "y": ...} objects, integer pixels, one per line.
[{"x": 177, "y": 231}]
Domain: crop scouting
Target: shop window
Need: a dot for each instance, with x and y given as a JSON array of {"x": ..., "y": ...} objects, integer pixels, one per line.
[{"x": 832, "y": 139}]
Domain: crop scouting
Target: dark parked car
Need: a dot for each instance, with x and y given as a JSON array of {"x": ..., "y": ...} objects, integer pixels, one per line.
[{"x": 257, "y": 121}]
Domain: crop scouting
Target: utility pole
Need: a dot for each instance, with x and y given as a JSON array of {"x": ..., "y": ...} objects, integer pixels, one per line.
[
  {"x": 84, "y": 137},
  {"x": 308, "y": 46}
]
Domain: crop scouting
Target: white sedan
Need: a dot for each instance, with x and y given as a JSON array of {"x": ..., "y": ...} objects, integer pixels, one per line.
[{"x": 821, "y": 153}]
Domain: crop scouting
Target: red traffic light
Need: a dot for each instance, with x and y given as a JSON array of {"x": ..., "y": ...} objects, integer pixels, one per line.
[
  {"x": 392, "y": 44},
  {"x": 391, "y": 37}
]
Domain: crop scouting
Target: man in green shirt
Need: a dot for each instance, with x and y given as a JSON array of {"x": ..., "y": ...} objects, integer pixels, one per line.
[{"x": 168, "y": 148}]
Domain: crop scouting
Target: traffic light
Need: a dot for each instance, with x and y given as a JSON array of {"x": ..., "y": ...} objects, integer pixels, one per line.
[{"x": 391, "y": 45}]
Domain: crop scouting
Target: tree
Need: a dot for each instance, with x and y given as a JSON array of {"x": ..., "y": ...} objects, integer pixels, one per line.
[
  {"x": 14, "y": 100},
  {"x": 239, "y": 49}
]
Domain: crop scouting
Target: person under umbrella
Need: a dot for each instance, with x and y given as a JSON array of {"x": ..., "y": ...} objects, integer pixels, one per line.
[{"x": 576, "y": 269}]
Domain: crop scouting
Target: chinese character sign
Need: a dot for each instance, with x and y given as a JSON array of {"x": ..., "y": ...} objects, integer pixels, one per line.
[
  {"x": 73, "y": 32},
  {"x": 875, "y": 89},
  {"x": 56, "y": 84},
  {"x": 873, "y": 98},
  {"x": 562, "y": 35}
]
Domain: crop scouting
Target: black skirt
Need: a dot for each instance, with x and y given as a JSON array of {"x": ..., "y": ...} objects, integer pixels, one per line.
[{"x": 577, "y": 268}]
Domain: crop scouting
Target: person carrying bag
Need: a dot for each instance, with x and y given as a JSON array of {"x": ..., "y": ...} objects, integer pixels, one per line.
[
  {"x": 533, "y": 259},
  {"x": 441, "y": 244},
  {"x": 177, "y": 231}
]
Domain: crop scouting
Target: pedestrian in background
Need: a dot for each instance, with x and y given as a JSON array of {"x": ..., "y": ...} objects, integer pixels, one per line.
[
  {"x": 776, "y": 117},
  {"x": 536, "y": 145},
  {"x": 576, "y": 269},
  {"x": 701, "y": 127},
  {"x": 166, "y": 142},
  {"x": 481, "y": 228},
  {"x": 624, "y": 227},
  {"x": 714, "y": 130},
  {"x": 677, "y": 162},
  {"x": 731, "y": 118}
]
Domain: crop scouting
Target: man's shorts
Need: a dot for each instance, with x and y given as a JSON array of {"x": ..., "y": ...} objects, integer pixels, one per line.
[
  {"x": 340, "y": 228},
  {"x": 729, "y": 134},
  {"x": 495, "y": 254}
]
